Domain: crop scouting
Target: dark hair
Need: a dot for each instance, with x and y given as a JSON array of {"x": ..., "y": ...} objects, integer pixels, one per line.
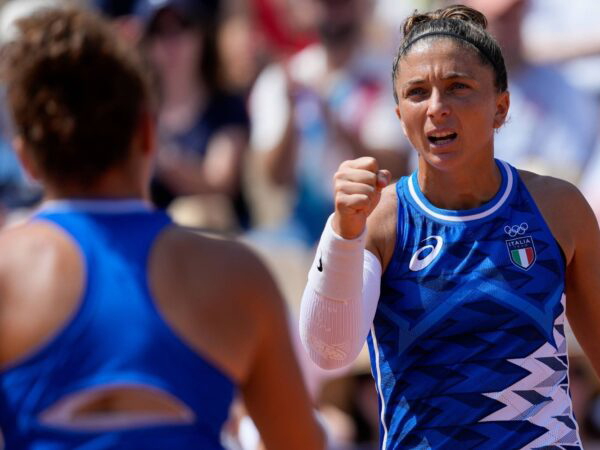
[
  {"x": 76, "y": 93},
  {"x": 466, "y": 26},
  {"x": 207, "y": 21},
  {"x": 210, "y": 62}
]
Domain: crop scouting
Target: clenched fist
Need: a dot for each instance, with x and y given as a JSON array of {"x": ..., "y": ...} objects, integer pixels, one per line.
[{"x": 357, "y": 190}]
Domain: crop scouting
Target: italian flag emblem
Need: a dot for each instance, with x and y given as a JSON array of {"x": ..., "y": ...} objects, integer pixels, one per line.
[{"x": 521, "y": 251}]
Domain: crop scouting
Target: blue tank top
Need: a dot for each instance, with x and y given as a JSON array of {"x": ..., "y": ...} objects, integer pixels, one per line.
[
  {"x": 116, "y": 337},
  {"x": 468, "y": 345}
]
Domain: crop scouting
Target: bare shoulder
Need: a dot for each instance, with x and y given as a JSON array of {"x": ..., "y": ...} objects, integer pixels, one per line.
[
  {"x": 546, "y": 186},
  {"x": 41, "y": 282},
  {"x": 558, "y": 200},
  {"x": 27, "y": 247},
  {"x": 381, "y": 225},
  {"x": 564, "y": 208},
  {"x": 224, "y": 265},
  {"x": 217, "y": 294}
]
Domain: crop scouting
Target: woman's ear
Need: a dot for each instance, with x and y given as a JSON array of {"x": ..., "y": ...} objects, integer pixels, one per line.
[
  {"x": 502, "y": 106},
  {"x": 145, "y": 137},
  {"x": 27, "y": 162},
  {"x": 401, "y": 121}
]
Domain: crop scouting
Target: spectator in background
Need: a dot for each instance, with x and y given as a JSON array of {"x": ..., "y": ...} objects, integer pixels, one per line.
[
  {"x": 120, "y": 13},
  {"x": 328, "y": 103},
  {"x": 203, "y": 130},
  {"x": 241, "y": 49},
  {"x": 286, "y": 25},
  {"x": 552, "y": 127},
  {"x": 566, "y": 34},
  {"x": 115, "y": 9}
]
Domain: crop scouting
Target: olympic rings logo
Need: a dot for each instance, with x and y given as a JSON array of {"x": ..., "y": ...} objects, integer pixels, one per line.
[{"x": 516, "y": 229}]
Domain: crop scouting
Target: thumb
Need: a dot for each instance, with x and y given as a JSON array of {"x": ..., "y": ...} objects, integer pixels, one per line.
[{"x": 383, "y": 178}]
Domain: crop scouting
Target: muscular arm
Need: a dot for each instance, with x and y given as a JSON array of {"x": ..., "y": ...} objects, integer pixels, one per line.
[
  {"x": 338, "y": 305},
  {"x": 341, "y": 296},
  {"x": 574, "y": 226},
  {"x": 583, "y": 278},
  {"x": 339, "y": 301},
  {"x": 273, "y": 390},
  {"x": 236, "y": 318}
]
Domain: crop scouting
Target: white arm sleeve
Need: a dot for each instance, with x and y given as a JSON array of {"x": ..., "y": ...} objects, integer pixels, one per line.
[{"x": 340, "y": 299}]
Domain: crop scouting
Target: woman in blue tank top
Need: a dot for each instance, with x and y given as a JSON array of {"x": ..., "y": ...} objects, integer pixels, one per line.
[
  {"x": 455, "y": 275},
  {"x": 120, "y": 330}
]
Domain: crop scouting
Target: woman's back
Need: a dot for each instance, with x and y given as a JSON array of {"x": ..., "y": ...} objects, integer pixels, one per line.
[
  {"x": 121, "y": 329},
  {"x": 113, "y": 365}
]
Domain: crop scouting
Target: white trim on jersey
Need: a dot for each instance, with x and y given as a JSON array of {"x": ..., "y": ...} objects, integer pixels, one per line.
[
  {"x": 108, "y": 206},
  {"x": 481, "y": 215},
  {"x": 382, "y": 417}
]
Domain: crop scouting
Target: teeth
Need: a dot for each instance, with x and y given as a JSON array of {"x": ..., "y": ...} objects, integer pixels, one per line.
[{"x": 440, "y": 134}]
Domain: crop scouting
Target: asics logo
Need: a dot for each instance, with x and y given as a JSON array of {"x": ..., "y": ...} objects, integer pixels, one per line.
[
  {"x": 419, "y": 264},
  {"x": 516, "y": 230}
]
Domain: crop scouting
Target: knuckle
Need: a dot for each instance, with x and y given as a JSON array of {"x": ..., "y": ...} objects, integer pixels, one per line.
[
  {"x": 340, "y": 184},
  {"x": 342, "y": 202},
  {"x": 372, "y": 179},
  {"x": 339, "y": 175},
  {"x": 363, "y": 199}
]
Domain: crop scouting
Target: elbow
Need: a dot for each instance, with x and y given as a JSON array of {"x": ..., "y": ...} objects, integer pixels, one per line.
[
  {"x": 328, "y": 356},
  {"x": 330, "y": 364}
]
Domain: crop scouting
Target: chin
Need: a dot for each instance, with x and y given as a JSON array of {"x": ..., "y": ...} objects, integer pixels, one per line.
[{"x": 443, "y": 160}]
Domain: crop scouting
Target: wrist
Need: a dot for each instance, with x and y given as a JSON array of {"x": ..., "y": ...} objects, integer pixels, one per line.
[
  {"x": 337, "y": 270},
  {"x": 348, "y": 228}
]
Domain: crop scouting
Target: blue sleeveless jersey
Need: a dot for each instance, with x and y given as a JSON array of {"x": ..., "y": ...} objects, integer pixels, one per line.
[
  {"x": 468, "y": 345},
  {"x": 116, "y": 337}
]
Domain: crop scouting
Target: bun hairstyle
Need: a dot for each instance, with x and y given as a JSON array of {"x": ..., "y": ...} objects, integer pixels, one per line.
[
  {"x": 458, "y": 12},
  {"x": 464, "y": 25}
]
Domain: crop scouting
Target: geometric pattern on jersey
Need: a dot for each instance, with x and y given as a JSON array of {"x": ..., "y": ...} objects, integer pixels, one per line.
[
  {"x": 467, "y": 345},
  {"x": 116, "y": 337}
]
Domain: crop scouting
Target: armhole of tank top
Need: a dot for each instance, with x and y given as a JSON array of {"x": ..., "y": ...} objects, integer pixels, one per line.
[
  {"x": 150, "y": 297},
  {"x": 558, "y": 249},
  {"x": 167, "y": 328},
  {"x": 73, "y": 319},
  {"x": 400, "y": 224}
]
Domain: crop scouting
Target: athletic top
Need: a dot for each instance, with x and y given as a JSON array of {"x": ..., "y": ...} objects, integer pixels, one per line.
[
  {"x": 468, "y": 345},
  {"x": 117, "y": 337}
]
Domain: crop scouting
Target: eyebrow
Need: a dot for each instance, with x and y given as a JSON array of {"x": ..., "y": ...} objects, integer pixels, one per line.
[{"x": 448, "y": 76}]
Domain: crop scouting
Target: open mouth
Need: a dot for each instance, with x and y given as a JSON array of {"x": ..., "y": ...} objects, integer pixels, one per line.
[{"x": 442, "y": 138}]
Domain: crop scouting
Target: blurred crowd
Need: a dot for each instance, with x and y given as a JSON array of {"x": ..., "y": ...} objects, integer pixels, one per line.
[{"x": 258, "y": 102}]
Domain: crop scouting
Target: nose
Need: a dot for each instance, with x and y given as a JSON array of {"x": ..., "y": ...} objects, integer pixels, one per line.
[{"x": 437, "y": 107}]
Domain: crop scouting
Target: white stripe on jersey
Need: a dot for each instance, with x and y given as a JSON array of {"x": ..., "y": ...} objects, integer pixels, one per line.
[{"x": 481, "y": 215}]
